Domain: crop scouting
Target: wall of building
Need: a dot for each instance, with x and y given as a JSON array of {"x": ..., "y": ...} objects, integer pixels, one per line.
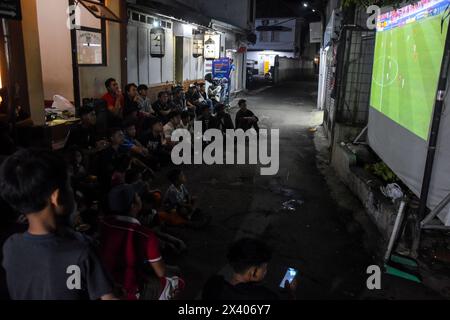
[
  {"x": 92, "y": 79},
  {"x": 33, "y": 61},
  {"x": 287, "y": 69},
  {"x": 235, "y": 12},
  {"x": 55, "y": 49},
  {"x": 278, "y": 40},
  {"x": 145, "y": 69},
  {"x": 266, "y": 56}
]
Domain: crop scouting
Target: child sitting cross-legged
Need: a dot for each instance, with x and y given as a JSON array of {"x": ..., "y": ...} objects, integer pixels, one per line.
[{"x": 179, "y": 206}]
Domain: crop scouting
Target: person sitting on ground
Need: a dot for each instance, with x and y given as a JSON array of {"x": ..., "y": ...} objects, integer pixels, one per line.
[
  {"x": 204, "y": 99},
  {"x": 178, "y": 206},
  {"x": 83, "y": 135},
  {"x": 186, "y": 122},
  {"x": 129, "y": 250},
  {"x": 173, "y": 124},
  {"x": 114, "y": 102},
  {"x": 214, "y": 92},
  {"x": 120, "y": 166},
  {"x": 223, "y": 119},
  {"x": 179, "y": 101},
  {"x": 208, "y": 120},
  {"x": 41, "y": 262},
  {"x": 144, "y": 101},
  {"x": 162, "y": 107},
  {"x": 74, "y": 160},
  {"x": 148, "y": 216},
  {"x": 245, "y": 119},
  {"x": 155, "y": 142},
  {"x": 109, "y": 157},
  {"x": 192, "y": 97},
  {"x": 131, "y": 106},
  {"x": 80, "y": 178},
  {"x": 131, "y": 144},
  {"x": 249, "y": 260}
]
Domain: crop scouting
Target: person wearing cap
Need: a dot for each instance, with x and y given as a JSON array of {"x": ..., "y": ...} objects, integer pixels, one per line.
[
  {"x": 173, "y": 124},
  {"x": 245, "y": 119},
  {"x": 83, "y": 135},
  {"x": 129, "y": 250}
]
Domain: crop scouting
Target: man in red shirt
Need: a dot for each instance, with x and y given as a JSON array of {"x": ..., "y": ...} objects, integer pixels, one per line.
[
  {"x": 129, "y": 250},
  {"x": 114, "y": 98}
]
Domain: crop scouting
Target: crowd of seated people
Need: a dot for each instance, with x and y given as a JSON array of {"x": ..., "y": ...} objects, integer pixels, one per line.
[{"x": 104, "y": 185}]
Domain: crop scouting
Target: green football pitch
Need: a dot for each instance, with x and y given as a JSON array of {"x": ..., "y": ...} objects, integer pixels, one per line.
[{"x": 406, "y": 72}]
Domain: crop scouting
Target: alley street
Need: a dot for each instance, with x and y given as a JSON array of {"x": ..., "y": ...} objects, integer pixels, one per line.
[{"x": 320, "y": 239}]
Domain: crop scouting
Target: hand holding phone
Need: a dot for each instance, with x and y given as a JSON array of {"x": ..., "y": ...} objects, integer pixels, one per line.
[{"x": 289, "y": 277}]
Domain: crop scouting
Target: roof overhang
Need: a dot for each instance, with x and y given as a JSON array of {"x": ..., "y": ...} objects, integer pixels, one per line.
[{"x": 176, "y": 12}]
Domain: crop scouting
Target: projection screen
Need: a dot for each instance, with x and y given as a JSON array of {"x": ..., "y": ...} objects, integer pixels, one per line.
[{"x": 409, "y": 49}]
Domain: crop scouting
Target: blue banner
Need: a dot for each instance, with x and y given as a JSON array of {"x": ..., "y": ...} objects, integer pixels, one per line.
[{"x": 221, "y": 68}]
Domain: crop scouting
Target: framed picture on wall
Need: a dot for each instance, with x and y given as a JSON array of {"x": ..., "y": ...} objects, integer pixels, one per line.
[
  {"x": 157, "y": 42},
  {"x": 90, "y": 47}
]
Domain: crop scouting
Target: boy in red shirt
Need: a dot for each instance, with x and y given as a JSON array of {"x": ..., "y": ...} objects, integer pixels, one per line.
[
  {"x": 129, "y": 250},
  {"x": 114, "y": 100}
]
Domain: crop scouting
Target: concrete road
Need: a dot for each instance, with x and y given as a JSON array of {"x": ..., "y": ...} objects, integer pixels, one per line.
[{"x": 320, "y": 239}]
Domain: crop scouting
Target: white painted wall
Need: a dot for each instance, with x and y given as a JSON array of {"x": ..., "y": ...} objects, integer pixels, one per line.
[
  {"x": 142, "y": 67},
  {"x": 284, "y": 40},
  {"x": 145, "y": 69},
  {"x": 262, "y": 56},
  {"x": 55, "y": 49}
]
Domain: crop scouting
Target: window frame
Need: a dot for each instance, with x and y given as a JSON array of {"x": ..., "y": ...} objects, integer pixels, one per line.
[{"x": 101, "y": 31}]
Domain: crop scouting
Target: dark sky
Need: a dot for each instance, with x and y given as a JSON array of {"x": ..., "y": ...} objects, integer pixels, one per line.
[{"x": 287, "y": 8}]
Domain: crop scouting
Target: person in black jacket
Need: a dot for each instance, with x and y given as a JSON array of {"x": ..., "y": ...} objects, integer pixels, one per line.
[
  {"x": 245, "y": 119},
  {"x": 224, "y": 121},
  {"x": 249, "y": 259}
]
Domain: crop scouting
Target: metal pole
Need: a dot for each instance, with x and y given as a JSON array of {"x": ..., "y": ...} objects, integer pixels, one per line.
[
  {"x": 435, "y": 211},
  {"x": 438, "y": 106},
  {"x": 395, "y": 230}
]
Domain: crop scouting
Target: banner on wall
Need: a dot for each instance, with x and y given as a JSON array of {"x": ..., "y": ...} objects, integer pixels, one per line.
[{"x": 221, "y": 68}]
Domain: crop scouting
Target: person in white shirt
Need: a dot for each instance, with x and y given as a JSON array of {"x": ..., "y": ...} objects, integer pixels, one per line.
[{"x": 174, "y": 123}]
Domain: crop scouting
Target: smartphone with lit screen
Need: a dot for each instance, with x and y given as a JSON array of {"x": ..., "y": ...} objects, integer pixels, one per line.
[{"x": 290, "y": 275}]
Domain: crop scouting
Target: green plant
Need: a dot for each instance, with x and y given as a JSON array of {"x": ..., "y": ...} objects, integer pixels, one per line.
[{"x": 380, "y": 169}]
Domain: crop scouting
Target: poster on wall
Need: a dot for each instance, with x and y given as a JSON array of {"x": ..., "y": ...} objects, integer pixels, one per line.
[
  {"x": 157, "y": 42},
  {"x": 221, "y": 68},
  {"x": 10, "y": 9}
]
